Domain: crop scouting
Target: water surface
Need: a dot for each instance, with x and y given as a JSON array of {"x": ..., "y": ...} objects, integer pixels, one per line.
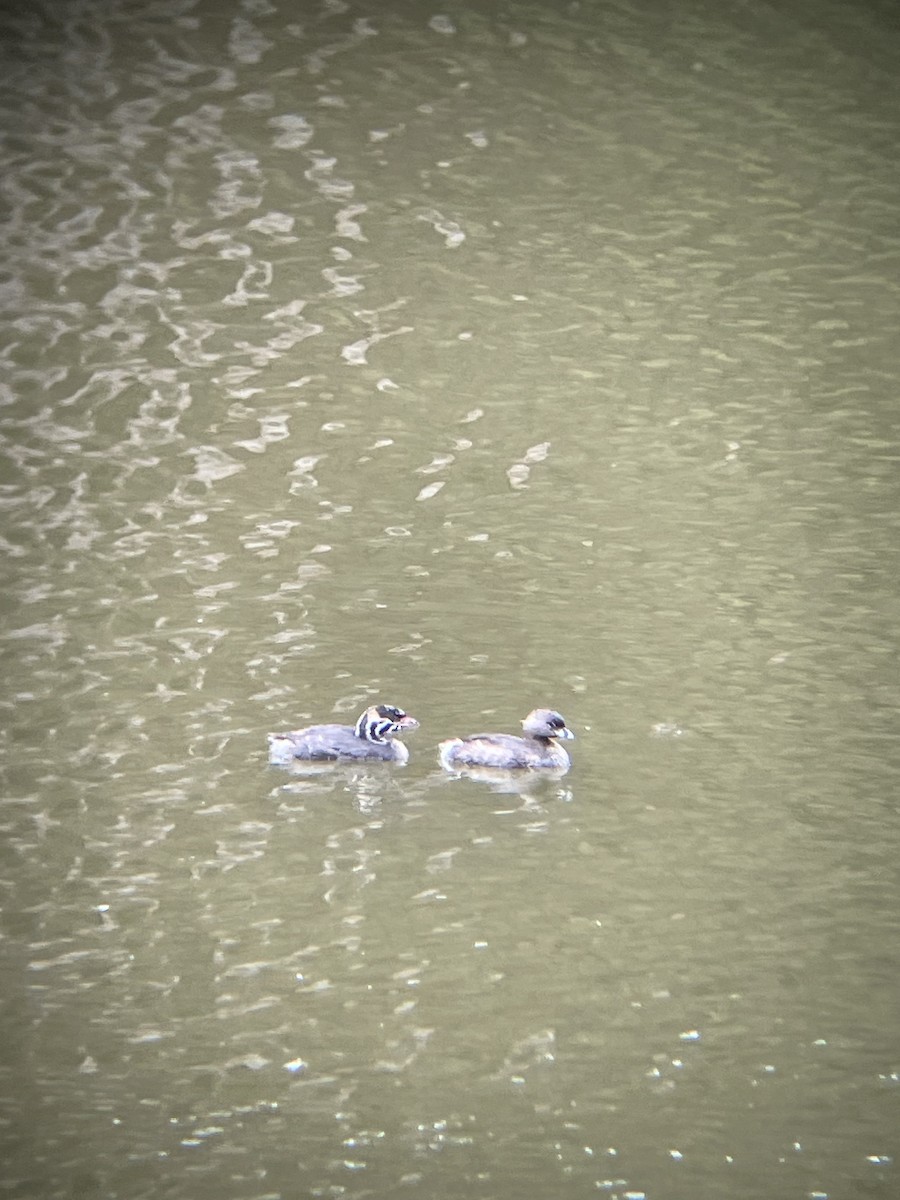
[{"x": 469, "y": 359}]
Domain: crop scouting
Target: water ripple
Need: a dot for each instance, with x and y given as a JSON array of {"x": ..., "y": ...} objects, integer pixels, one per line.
[{"x": 637, "y": 442}]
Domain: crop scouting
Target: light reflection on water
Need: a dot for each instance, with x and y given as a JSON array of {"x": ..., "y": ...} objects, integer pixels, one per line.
[{"x": 475, "y": 362}]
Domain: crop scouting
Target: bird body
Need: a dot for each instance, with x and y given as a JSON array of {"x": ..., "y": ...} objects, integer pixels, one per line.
[
  {"x": 539, "y": 747},
  {"x": 371, "y": 739}
]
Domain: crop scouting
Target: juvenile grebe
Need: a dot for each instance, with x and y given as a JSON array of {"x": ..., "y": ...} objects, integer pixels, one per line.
[{"x": 370, "y": 738}]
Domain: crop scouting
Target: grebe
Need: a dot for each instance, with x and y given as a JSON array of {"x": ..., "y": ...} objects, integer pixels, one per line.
[
  {"x": 538, "y": 748},
  {"x": 370, "y": 738}
]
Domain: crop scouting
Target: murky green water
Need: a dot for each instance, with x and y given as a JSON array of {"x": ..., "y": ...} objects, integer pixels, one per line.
[{"x": 471, "y": 359}]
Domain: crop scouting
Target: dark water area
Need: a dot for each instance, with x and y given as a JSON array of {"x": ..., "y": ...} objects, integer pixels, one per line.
[{"x": 470, "y": 359}]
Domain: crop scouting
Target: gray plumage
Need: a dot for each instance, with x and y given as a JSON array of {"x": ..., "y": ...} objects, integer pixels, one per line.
[
  {"x": 371, "y": 738},
  {"x": 538, "y": 748}
]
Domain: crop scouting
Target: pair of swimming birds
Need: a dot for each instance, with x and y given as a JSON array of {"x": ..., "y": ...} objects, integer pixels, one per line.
[{"x": 373, "y": 736}]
